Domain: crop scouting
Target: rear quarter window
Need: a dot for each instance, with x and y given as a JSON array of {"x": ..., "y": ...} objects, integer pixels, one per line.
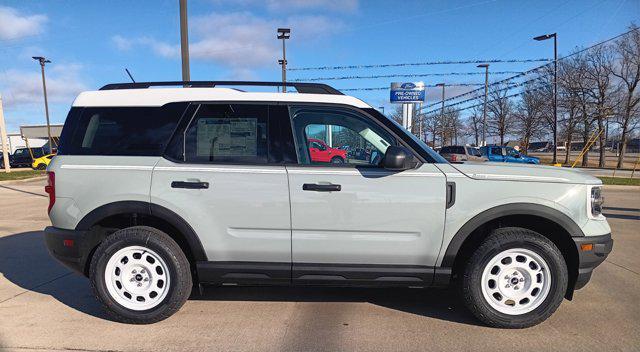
[{"x": 125, "y": 131}]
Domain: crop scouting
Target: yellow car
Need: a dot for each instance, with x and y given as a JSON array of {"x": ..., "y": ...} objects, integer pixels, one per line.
[{"x": 42, "y": 162}]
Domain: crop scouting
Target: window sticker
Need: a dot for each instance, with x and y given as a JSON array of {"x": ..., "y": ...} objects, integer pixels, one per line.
[{"x": 227, "y": 137}]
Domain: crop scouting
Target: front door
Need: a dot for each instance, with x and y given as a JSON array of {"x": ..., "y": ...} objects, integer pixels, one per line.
[
  {"x": 219, "y": 176},
  {"x": 357, "y": 222}
]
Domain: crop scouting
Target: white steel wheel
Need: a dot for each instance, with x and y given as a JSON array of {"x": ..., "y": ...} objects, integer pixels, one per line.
[
  {"x": 516, "y": 281},
  {"x": 137, "y": 278}
]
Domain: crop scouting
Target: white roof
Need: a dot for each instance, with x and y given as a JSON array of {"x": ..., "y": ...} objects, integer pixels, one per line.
[{"x": 161, "y": 96}]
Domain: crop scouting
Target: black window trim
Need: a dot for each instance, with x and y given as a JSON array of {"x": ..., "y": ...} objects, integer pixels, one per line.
[{"x": 400, "y": 139}]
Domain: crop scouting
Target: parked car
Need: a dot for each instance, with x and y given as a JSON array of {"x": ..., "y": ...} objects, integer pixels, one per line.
[
  {"x": 507, "y": 154},
  {"x": 459, "y": 153},
  {"x": 22, "y": 158},
  {"x": 155, "y": 190},
  {"x": 42, "y": 162},
  {"x": 322, "y": 153}
]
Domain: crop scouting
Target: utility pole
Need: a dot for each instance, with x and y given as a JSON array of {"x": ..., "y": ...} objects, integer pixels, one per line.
[
  {"x": 43, "y": 61},
  {"x": 3, "y": 139},
  {"x": 484, "y": 107},
  {"x": 555, "y": 90},
  {"x": 442, "y": 113},
  {"x": 184, "y": 41},
  {"x": 284, "y": 34}
]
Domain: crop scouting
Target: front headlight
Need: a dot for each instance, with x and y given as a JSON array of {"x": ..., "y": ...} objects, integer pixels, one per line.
[{"x": 595, "y": 202}]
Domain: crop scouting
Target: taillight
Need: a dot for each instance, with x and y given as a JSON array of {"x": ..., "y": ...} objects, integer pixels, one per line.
[
  {"x": 454, "y": 157},
  {"x": 50, "y": 189}
]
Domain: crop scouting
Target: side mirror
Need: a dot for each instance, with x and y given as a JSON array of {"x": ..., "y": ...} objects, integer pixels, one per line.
[{"x": 397, "y": 158}]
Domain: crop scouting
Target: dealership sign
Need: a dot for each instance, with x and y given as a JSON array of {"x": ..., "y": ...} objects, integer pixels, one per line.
[{"x": 407, "y": 92}]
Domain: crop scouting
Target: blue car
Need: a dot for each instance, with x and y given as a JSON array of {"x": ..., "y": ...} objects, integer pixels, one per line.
[{"x": 507, "y": 154}]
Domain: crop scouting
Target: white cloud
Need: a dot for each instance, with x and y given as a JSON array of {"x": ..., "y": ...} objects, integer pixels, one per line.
[
  {"x": 239, "y": 40},
  {"x": 14, "y": 25},
  {"x": 22, "y": 88},
  {"x": 293, "y": 5}
]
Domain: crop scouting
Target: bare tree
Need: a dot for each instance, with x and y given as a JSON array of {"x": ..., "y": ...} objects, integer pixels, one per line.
[
  {"x": 528, "y": 115},
  {"x": 569, "y": 84},
  {"x": 627, "y": 71},
  {"x": 499, "y": 112},
  {"x": 474, "y": 124},
  {"x": 599, "y": 64}
]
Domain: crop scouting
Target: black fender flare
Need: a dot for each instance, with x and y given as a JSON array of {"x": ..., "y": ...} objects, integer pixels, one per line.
[
  {"x": 488, "y": 215},
  {"x": 138, "y": 207}
]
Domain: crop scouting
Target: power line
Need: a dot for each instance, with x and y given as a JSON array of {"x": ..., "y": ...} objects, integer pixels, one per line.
[
  {"x": 428, "y": 63},
  {"x": 488, "y": 102},
  {"x": 407, "y": 75},
  {"x": 535, "y": 69},
  {"x": 509, "y": 87},
  {"x": 426, "y": 85}
]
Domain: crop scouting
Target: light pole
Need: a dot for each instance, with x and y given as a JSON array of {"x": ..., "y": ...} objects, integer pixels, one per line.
[
  {"x": 42, "y": 62},
  {"x": 284, "y": 34},
  {"x": 442, "y": 113},
  {"x": 184, "y": 41},
  {"x": 484, "y": 105},
  {"x": 555, "y": 90}
]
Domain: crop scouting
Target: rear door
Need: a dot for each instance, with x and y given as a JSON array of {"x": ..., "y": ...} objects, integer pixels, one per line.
[
  {"x": 221, "y": 175},
  {"x": 357, "y": 222}
]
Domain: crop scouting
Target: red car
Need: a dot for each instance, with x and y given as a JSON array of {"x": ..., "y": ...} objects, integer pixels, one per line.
[{"x": 322, "y": 153}]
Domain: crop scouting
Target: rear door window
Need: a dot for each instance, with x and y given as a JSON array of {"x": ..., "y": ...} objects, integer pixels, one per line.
[
  {"x": 228, "y": 133},
  {"x": 126, "y": 131}
]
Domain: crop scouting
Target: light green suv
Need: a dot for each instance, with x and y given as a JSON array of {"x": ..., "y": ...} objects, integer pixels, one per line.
[{"x": 155, "y": 191}]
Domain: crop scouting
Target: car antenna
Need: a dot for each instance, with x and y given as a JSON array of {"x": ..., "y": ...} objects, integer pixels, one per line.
[{"x": 130, "y": 76}]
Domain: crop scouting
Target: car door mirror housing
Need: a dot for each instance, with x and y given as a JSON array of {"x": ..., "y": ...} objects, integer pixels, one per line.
[{"x": 397, "y": 158}]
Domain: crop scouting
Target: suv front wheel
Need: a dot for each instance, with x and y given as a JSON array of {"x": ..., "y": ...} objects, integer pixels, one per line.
[
  {"x": 140, "y": 275},
  {"x": 517, "y": 278}
]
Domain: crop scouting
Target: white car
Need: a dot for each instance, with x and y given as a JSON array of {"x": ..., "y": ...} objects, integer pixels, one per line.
[{"x": 155, "y": 191}]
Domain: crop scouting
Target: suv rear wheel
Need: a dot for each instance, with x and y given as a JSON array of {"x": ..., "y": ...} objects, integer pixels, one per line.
[
  {"x": 515, "y": 279},
  {"x": 140, "y": 275}
]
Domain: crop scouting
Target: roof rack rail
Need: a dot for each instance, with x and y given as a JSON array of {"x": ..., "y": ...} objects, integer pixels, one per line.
[{"x": 306, "y": 88}]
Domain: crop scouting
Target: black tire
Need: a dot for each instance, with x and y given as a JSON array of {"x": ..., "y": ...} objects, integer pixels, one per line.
[
  {"x": 500, "y": 240},
  {"x": 178, "y": 266},
  {"x": 41, "y": 167},
  {"x": 337, "y": 160}
]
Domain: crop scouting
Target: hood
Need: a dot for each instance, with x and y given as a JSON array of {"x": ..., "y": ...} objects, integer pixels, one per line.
[{"x": 525, "y": 173}]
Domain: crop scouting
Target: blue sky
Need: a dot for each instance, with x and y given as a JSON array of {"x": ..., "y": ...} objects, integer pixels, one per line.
[{"x": 91, "y": 42}]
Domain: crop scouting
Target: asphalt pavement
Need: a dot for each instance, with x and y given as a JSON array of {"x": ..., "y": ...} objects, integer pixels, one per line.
[{"x": 44, "y": 306}]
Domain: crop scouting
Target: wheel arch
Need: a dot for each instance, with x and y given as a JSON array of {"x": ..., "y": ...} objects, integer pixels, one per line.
[
  {"x": 123, "y": 214},
  {"x": 549, "y": 222}
]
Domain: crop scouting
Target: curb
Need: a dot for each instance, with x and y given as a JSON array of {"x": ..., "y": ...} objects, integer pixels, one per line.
[
  {"x": 23, "y": 180},
  {"x": 622, "y": 187}
]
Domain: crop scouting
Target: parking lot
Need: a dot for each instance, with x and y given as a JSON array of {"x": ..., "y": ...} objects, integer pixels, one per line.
[{"x": 43, "y": 306}]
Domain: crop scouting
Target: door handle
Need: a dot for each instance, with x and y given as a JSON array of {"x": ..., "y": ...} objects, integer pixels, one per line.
[
  {"x": 321, "y": 188},
  {"x": 189, "y": 185}
]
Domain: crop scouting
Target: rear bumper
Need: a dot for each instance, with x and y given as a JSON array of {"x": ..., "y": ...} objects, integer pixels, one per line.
[
  {"x": 590, "y": 259},
  {"x": 69, "y": 247}
]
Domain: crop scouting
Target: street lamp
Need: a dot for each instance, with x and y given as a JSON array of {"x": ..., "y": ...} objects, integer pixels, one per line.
[
  {"x": 442, "y": 112},
  {"x": 284, "y": 34},
  {"x": 555, "y": 90},
  {"x": 484, "y": 107},
  {"x": 43, "y": 61}
]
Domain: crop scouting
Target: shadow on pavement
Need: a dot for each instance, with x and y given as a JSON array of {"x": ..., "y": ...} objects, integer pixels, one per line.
[
  {"x": 26, "y": 263},
  {"x": 442, "y": 304}
]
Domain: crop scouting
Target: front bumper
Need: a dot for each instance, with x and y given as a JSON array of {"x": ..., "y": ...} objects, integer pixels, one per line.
[
  {"x": 589, "y": 259},
  {"x": 69, "y": 247}
]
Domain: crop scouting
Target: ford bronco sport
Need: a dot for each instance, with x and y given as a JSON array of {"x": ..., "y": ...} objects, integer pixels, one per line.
[{"x": 157, "y": 190}]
